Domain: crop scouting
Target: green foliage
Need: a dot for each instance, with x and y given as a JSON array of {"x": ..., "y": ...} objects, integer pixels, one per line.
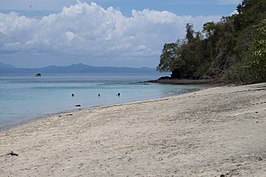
[
  {"x": 209, "y": 28},
  {"x": 256, "y": 57},
  {"x": 190, "y": 32},
  {"x": 233, "y": 49},
  {"x": 168, "y": 57},
  {"x": 250, "y": 12}
]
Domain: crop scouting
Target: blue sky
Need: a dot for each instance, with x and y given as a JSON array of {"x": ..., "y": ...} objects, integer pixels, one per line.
[
  {"x": 179, "y": 7},
  {"x": 36, "y": 33}
]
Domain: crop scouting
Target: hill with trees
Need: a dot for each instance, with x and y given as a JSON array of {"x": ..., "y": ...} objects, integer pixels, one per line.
[{"x": 232, "y": 50}]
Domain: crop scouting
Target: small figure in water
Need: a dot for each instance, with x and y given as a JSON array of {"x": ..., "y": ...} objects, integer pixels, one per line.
[
  {"x": 99, "y": 95},
  {"x": 73, "y": 95},
  {"x": 118, "y": 94}
]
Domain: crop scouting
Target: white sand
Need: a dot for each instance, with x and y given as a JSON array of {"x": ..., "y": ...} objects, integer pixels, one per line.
[{"x": 213, "y": 132}]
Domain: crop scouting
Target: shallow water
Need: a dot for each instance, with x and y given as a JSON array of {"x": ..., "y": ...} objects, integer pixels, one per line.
[{"x": 25, "y": 97}]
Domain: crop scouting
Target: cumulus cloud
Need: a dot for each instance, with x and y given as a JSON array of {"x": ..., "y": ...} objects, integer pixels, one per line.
[
  {"x": 229, "y": 2},
  {"x": 90, "y": 30}
]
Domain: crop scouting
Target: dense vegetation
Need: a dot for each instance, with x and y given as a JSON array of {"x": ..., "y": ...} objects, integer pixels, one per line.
[{"x": 232, "y": 50}]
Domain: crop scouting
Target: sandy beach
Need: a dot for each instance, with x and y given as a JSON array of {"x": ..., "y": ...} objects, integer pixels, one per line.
[{"x": 215, "y": 132}]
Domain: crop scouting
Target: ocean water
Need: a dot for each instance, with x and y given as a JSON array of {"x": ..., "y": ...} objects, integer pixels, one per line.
[{"x": 25, "y": 97}]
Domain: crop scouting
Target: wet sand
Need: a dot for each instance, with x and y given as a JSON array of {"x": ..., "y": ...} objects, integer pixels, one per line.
[{"x": 214, "y": 132}]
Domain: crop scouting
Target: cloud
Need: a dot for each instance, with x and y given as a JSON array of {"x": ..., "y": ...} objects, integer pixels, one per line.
[
  {"x": 235, "y": 12},
  {"x": 229, "y": 2},
  {"x": 90, "y": 30}
]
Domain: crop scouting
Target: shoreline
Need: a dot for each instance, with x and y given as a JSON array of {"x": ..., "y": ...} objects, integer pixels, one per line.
[
  {"x": 30, "y": 120},
  {"x": 182, "y": 81},
  {"x": 211, "y": 132},
  {"x": 43, "y": 116}
]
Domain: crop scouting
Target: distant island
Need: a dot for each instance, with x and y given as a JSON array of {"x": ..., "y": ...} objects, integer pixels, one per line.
[
  {"x": 230, "y": 51},
  {"x": 75, "y": 68}
]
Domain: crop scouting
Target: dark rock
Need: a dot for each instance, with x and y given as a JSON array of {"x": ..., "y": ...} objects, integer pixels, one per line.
[
  {"x": 38, "y": 75},
  {"x": 165, "y": 77}
]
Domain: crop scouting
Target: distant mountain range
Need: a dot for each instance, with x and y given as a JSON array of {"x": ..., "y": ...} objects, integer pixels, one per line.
[{"x": 75, "y": 68}]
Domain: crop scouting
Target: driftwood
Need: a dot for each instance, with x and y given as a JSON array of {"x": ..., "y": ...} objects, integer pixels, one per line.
[{"x": 12, "y": 153}]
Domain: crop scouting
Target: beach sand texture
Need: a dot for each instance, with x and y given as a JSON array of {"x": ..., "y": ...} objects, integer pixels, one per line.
[{"x": 214, "y": 132}]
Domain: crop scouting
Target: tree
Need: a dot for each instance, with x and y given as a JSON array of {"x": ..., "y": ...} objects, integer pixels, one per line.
[
  {"x": 168, "y": 57},
  {"x": 233, "y": 50},
  {"x": 209, "y": 28},
  {"x": 190, "y": 32},
  {"x": 256, "y": 60}
]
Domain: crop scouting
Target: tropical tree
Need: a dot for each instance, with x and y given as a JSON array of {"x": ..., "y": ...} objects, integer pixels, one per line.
[
  {"x": 256, "y": 60},
  {"x": 233, "y": 49}
]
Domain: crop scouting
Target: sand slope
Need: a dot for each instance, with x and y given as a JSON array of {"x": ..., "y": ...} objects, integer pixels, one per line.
[{"x": 213, "y": 132}]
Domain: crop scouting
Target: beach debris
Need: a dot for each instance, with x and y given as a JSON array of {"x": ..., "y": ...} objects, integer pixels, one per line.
[
  {"x": 12, "y": 153},
  {"x": 78, "y": 105},
  {"x": 69, "y": 114}
]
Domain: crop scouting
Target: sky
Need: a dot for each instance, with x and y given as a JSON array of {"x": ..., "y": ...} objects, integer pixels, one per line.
[{"x": 36, "y": 33}]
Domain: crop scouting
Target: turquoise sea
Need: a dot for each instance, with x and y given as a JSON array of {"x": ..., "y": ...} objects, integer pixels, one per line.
[{"x": 25, "y": 97}]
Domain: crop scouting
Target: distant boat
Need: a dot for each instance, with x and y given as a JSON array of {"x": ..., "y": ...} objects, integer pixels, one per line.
[{"x": 38, "y": 75}]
